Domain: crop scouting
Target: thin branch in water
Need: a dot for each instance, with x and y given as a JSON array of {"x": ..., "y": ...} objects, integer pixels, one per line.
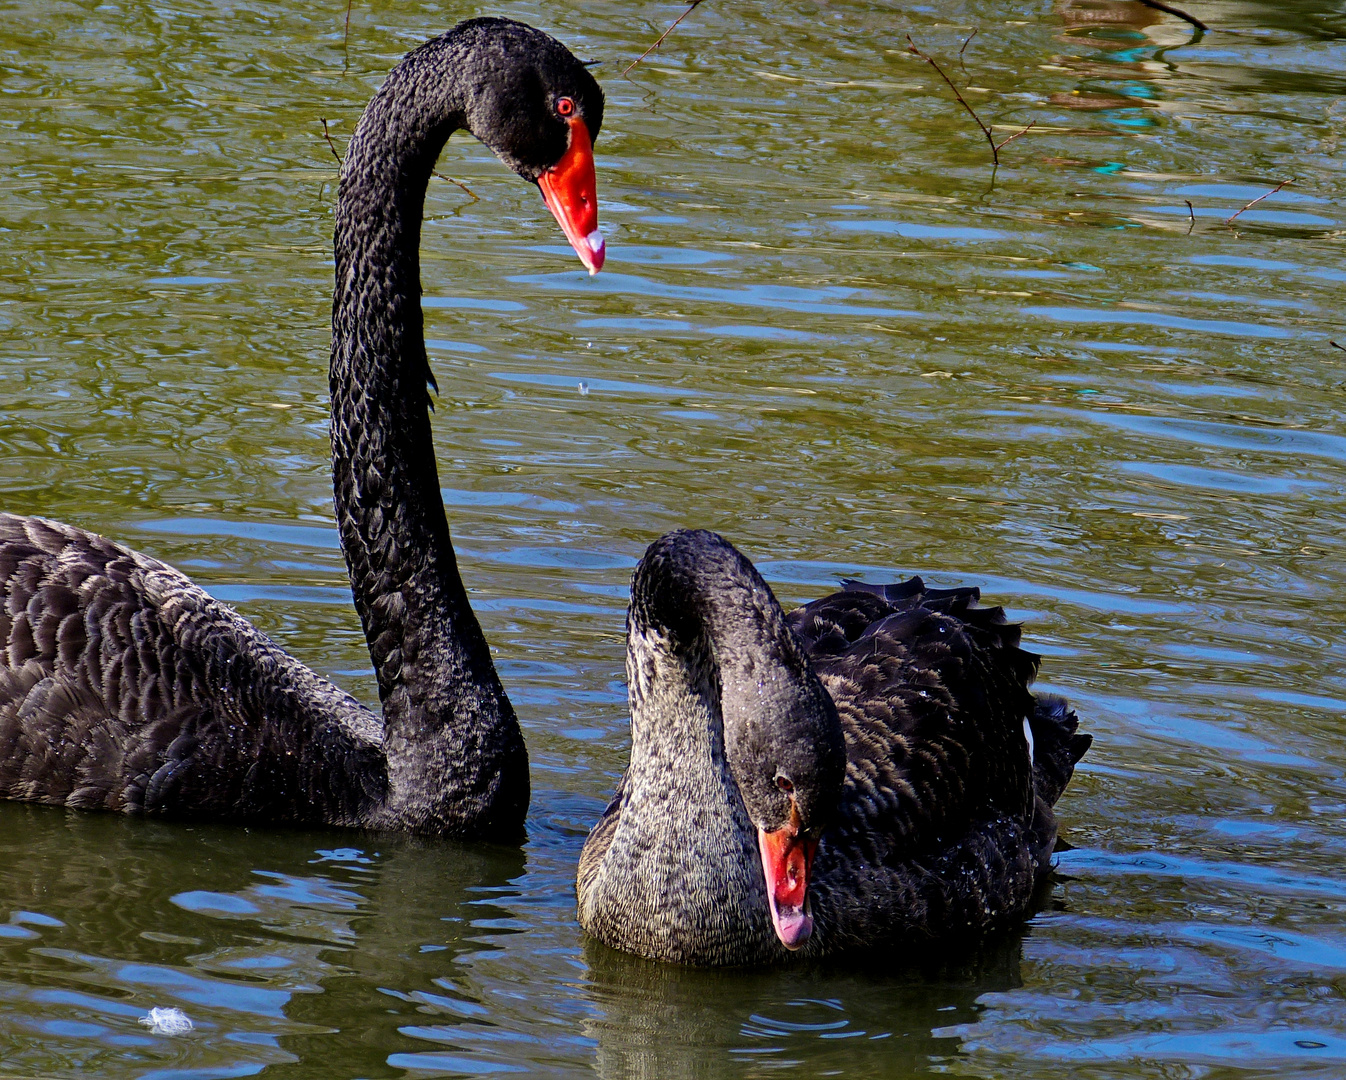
[
  {"x": 1336, "y": 346},
  {"x": 1004, "y": 142},
  {"x": 1283, "y": 183},
  {"x": 990, "y": 139},
  {"x": 451, "y": 180},
  {"x": 692, "y": 6},
  {"x": 328, "y": 136},
  {"x": 912, "y": 48},
  {"x": 975, "y": 31},
  {"x": 1175, "y": 11},
  {"x": 345, "y": 41},
  {"x": 1191, "y": 216}
]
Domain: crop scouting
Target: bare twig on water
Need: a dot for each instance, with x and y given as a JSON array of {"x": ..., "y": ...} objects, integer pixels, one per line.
[
  {"x": 433, "y": 172},
  {"x": 459, "y": 183},
  {"x": 1336, "y": 346},
  {"x": 1191, "y": 216},
  {"x": 1175, "y": 11},
  {"x": 691, "y": 6},
  {"x": 328, "y": 136},
  {"x": 990, "y": 139},
  {"x": 1283, "y": 183},
  {"x": 975, "y": 31},
  {"x": 345, "y": 41},
  {"x": 1005, "y": 142}
]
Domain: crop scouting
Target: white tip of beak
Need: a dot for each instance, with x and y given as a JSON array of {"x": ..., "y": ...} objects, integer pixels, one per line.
[{"x": 596, "y": 244}]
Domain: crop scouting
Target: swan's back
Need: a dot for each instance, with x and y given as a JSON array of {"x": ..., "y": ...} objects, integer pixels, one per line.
[
  {"x": 123, "y": 686},
  {"x": 946, "y": 820}
]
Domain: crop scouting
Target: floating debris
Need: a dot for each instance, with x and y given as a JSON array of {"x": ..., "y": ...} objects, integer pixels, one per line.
[{"x": 168, "y": 1021}]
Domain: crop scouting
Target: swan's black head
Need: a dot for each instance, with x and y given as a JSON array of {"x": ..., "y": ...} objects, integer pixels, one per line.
[
  {"x": 518, "y": 80},
  {"x": 517, "y": 90},
  {"x": 782, "y": 737},
  {"x": 531, "y": 101}
]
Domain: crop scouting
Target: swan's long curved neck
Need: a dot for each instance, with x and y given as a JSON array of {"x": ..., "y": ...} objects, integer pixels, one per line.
[
  {"x": 447, "y": 723},
  {"x": 732, "y": 737},
  {"x": 677, "y": 879},
  {"x": 675, "y": 696},
  {"x": 680, "y": 877}
]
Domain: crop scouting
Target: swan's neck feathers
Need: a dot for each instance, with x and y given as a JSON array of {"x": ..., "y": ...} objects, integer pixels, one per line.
[
  {"x": 450, "y": 732},
  {"x": 681, "y": 878}
]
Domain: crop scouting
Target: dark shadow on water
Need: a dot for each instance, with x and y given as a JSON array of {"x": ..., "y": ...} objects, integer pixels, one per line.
[
  {"x": 880, "y": 1017},
  {"x": 430, "y": 905}
]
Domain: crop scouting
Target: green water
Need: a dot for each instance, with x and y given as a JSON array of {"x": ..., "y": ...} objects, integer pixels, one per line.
[{"x": 826, "y": 330}]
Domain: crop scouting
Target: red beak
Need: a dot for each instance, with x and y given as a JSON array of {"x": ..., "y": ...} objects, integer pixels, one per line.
[
  {"x": 571, "y": 194},
  {"x": 786, "y": 861}
]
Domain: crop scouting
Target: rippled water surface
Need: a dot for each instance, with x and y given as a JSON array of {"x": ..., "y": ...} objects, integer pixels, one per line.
[{"x": 826, "y": 330}]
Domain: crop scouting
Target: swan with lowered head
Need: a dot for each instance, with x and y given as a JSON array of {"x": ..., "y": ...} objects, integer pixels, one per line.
[
  {"x": 869, "y": 771},
  {"x": 124, "y": 686}
]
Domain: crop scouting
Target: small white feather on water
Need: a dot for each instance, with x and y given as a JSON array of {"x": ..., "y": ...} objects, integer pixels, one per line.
[{"x": 167, "y": 1022}]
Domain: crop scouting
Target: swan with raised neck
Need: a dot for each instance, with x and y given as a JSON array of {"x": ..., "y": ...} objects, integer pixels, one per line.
[{"x": 124, "y": 686}]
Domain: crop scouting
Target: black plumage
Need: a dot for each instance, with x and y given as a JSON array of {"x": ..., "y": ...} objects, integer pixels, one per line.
[
  {"x": 942, "y": 826},
  {"x": 125, "y": 687}
]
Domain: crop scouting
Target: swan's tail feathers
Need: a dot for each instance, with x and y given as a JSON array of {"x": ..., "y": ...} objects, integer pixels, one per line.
[
  {"x": 913, "y": 589},
  {"x": 912, "y": 596},
  {"x": 893, "y": 594},
  {"x": 832, "y": 625},
  {"x": 1058, "y": 745}
]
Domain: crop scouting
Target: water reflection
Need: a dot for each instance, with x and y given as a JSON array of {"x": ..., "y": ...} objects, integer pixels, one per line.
[
  {"x": 1125, "y": 13},
  {"x": 659, "y": 1021},
  {"x": 271, "y": 937}
]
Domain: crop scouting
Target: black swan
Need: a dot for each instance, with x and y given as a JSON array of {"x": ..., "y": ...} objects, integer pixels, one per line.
[
  {"x": 869, "y": 771},
  {"x": 123, "y": 686}
]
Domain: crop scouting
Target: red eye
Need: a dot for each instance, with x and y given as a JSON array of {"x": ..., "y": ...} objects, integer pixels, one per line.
[{"x": 565, "y": 106}]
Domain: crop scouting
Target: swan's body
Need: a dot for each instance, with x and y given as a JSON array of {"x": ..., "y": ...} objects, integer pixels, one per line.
[
  {"x": 867, "y": 772},
  {"x": 123, "y": 686}
]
